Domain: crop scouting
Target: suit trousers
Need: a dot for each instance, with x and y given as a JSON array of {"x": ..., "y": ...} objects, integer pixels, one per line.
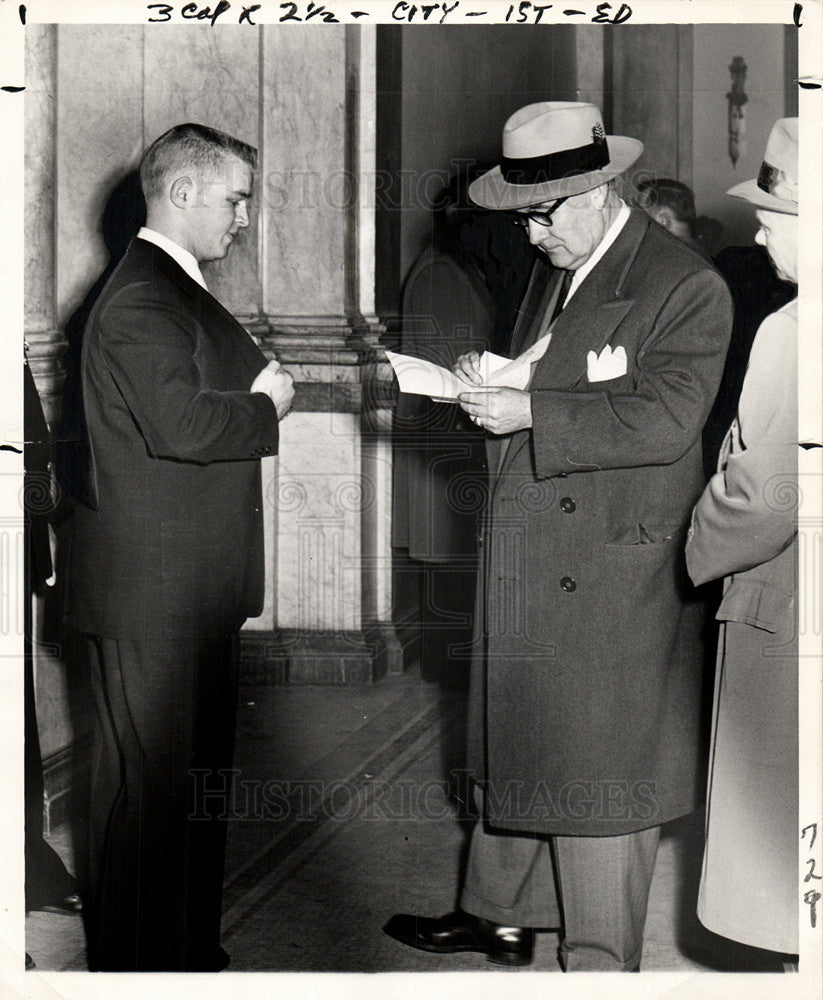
[
  {"x": 597, "y": 888},
  {"x": 159, "y": 785}
]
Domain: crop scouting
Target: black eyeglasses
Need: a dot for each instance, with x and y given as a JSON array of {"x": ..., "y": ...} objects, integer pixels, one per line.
[{"x": 543, "y": 218}]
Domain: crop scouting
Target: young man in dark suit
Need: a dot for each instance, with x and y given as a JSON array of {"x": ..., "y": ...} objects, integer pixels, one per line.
[{"x": 167, "y": 562}]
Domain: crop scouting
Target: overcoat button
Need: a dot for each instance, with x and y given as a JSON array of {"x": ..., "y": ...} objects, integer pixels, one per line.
[
  {"x": 568, "y": 584},
  {"x": 567, "y": 505}
]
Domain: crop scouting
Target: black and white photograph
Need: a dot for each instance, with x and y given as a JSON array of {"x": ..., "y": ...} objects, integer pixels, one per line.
[{"x": 412, "y": 499}]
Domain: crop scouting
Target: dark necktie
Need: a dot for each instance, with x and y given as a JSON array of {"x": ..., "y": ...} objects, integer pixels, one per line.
[{"x": 565, "y": 284}]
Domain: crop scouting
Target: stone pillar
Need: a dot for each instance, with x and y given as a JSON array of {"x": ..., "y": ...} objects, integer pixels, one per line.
[
  {"x": 211, "y": 77},
  {"x": 327, "y": 615},
  {"x": 590, "y": 46},
  {"x": 99, "y": 140},
  {"x": 45, "y": 343},
  {"x": 650, "y": 90}
]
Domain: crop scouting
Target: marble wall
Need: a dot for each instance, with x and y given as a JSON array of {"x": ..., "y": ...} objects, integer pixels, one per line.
[
  {"x": 305, "y": 184},
  {"x": 768, "y": 70},
  {"x": 42, "y": 337},
  {"x": 668, "y": 87}
]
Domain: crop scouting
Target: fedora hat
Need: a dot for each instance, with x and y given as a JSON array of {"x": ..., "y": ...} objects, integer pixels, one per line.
[
  {"x": 553, "y": 149},
  {"x": 776, "y": 186}
]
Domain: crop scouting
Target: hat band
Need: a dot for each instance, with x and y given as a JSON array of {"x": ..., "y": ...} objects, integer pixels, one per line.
[
  {"x": 767, "y": 177},
  {"x": 555, "y": 166},
  {"x": 777, "y": 183}
]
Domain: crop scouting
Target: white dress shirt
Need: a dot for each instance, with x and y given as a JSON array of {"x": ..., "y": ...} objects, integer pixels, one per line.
[
  {"x": 186, "y": 260},
  {"x": 540, "y": 346},
  {"x": 610, "y": 236}
]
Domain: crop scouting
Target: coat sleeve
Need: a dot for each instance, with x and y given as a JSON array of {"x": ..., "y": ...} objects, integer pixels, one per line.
[
  {"x": 747, "y": 514},
  {"x": 149, "y": 350},
  {"x": 679, "y": 365}
]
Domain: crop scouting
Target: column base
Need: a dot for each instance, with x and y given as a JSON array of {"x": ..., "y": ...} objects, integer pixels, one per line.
[
  {"x": 63, "y": 773},
  {"x": 332, "y": 657}
]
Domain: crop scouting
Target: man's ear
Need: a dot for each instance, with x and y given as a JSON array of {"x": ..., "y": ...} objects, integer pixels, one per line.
[
  {"x": 663, "y": 217},
  {"x": 599, "y": 197},
  {"x": 182, "y": 191}
]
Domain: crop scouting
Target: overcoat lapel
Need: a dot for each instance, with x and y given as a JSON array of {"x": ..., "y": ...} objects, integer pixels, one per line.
[
  {"x": 538, "y": 300},
  {"x": 586, "y": 324},
  {"x": 543, "y": 286}
]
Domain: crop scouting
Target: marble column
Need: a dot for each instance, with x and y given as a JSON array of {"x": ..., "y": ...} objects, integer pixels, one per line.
[
  {"x": 211, "y": 77},
  {"x": 327, "y": 615},
  {"x": 590, "y": 43},
  {"x": 45, "y": 343},
  {"x": 650, "y": 92}
]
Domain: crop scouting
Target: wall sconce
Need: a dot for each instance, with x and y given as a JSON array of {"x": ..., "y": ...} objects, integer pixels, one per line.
[{"x": 737, "y": 99}]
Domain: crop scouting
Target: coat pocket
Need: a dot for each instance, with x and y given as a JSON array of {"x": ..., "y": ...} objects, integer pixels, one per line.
[
  {"x": 641, "y": 535},
  {"x": 755, "y": 602},
  {"x": 622, "y": 383}
]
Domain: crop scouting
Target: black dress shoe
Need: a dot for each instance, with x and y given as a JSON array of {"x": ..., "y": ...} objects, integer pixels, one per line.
[{"x": 461, "y": 931}]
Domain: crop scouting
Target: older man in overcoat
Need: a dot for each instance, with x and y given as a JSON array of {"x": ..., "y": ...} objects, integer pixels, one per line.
[{"x": 586, "y": 701}]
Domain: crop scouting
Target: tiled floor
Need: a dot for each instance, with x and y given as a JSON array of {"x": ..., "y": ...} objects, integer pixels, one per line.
[{"x": 344, "y": 813}]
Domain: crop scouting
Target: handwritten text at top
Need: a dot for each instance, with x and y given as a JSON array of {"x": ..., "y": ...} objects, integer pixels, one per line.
[{"x": 522, "y": 12}]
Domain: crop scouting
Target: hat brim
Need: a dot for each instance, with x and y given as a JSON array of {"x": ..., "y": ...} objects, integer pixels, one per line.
[
  {"x": 494, "y": 192},
  {"x": 749, "y": 191}
]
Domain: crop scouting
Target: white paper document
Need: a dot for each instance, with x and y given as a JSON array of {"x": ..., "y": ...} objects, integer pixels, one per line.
[{"x": 423, "y": 378}]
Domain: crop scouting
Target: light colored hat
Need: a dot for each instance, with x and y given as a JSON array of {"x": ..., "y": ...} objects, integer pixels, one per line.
[
  {"x": 776, "y": 186},
  {"x": 553, "y": 149}
]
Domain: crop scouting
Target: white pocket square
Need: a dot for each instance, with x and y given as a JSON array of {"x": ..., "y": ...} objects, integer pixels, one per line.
[{"x": 608, "y": 364}]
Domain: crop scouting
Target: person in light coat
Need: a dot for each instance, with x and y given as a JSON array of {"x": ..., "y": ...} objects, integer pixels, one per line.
[{"x": 744, "y": 529}]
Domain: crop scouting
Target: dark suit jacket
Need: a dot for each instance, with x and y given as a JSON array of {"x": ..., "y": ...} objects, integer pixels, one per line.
[
  {"x": 175, "y": 544},
  {"x": 587, "y": 715}
]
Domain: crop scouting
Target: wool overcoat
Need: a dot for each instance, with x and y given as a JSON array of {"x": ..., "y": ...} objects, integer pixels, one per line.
[
  {"x": 744, "y": 529},
  {"x": 586, "y": 694}
]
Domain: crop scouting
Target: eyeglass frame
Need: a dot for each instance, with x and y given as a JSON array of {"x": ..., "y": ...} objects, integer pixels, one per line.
[{"x": 544, "y": 219}]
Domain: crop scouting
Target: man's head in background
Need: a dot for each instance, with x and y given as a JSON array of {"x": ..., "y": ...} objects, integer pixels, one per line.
[{"x": 670, "y": 203}]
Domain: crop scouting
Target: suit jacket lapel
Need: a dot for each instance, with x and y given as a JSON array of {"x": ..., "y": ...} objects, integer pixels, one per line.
[{"x": 222, "y": 328}]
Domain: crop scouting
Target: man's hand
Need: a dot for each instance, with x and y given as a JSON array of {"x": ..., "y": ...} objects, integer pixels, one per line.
[
  {"x": 467, "y": 368},
  {"x": 278, "y": 385},
  {"x": 501, "y": 411}
]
